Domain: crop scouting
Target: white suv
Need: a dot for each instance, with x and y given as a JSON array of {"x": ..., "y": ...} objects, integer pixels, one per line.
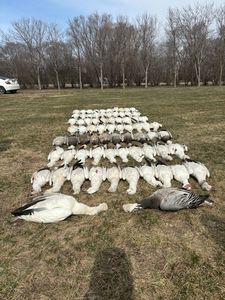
[{"x": 8, "y": 85}]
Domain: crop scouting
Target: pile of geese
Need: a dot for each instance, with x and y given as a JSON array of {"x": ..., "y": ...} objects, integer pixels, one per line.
[{"x": 116, "y": 136}]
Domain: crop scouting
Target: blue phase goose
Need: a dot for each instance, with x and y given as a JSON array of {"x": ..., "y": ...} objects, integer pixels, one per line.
[
  {"x": 170, "y": 199},
  {"x": 54, "y": 208}
]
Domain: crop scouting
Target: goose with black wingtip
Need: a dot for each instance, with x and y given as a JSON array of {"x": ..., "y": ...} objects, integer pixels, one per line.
[{"x": 54, "y": 208}]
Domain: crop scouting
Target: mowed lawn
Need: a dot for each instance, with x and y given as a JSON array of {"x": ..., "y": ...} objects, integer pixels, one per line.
[{"x": 115, "y": 255}]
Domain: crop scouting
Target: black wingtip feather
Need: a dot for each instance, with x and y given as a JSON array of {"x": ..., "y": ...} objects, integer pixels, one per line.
[
  {"x": 18, "y": 212},
  {"x": 78, "y": 164},
  {"x": 25, "y": 210}
]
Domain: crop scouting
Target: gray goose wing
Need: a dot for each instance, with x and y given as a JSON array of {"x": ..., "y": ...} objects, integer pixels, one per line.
[{"x": 178, "y": 199}]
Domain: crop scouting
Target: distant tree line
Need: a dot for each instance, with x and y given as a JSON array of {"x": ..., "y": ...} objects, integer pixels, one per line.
[{"x": 100, "y": 51}]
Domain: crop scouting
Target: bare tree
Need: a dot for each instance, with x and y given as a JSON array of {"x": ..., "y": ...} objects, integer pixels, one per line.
[
  {"x": 220, "y": 20},
  {"x": 75, "y": 33},
  {"x": 147, "y": 33},
  {"x": 55, "y": 49},
  {"x": 172, "y": 31},
  {"x": 122, "y": 34},
  {"x": 99, "y": 49},
  {"x": 194, "y": 25},
  {"x": 32, "y": 33},
  {"x": 96, "y": 37}
]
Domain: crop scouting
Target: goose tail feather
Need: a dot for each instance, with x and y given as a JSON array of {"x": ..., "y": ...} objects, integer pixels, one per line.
[{"x": 131, "y": 207}]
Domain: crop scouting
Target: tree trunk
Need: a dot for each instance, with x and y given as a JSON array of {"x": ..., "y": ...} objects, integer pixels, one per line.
[
  {"x": 80, "y": 79},
  {"x": 175, "y": 77},
  {"x": 221, "y": 74},
  {"x": 199, "y": 75},
  {"x": 38, "y": 79},
  {"x": 57, "y": 79},
  {"x": 101, "y": 75},
  {"x": 123, "y": 71},
  {"x": 146, "y": 77},
  {"x": 198, "y": 72}
]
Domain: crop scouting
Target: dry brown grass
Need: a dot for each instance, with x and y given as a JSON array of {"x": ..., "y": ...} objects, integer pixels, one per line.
[{"x": 144, "y": 255}]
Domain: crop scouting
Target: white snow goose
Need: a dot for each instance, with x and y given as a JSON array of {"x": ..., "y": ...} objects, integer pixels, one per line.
[
  {"x": 180, "y": 173},
  {"x": 79, "y": 174},
  {"x": 55, "y": 208},
  {"x": 58, "y": 178},
  {"x": 131, "y": 175},
  {"x": 54, "y": 156},
  {"x": 39, "y": 179},
  {"x": 113, "y": 176},
  {"x": 199, "y": 171}
]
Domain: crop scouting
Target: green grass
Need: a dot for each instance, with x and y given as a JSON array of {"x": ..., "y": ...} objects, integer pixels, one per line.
[{"x": 144, "y": 255}]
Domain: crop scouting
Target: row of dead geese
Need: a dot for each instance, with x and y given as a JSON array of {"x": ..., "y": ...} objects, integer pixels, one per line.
[
  {"x": 96, "y": 120},
  {"x": 99, "y": 128},
  {"x": 106, "y": 113},
  {"x": 111, "y": 128},
  {"x": 157, "y": 175},
  {"x": 110, "y": 121},
  {"x": 114, "y": 138},
  {"x": 137, "y": 153}
]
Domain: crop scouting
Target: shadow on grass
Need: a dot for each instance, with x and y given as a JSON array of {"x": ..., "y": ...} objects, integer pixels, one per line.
[
  {"x": 216, "y": 228},
  {"x": 5, "y": 144},
  {"x": 111, "y": 276}
]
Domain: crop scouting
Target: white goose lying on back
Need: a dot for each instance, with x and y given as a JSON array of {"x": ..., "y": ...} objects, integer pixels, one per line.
[
  {"x": 131, "y": 175},
  {"x": 113, "y": 176},
  {"x": 136, "y": 153},
  {"x": 73, "y": 129},
  {"x": 78, "y": 175},
  {"x": 122, "y": 153},
  {"x": 148, "y": 175},
  {"x": 181, "y": 174},
  {"x": 164, "y": 174},
  {"x": 68, "y": 155},
  {"x": 54, "y": 156},
  {"x": 153, "y": 136},
  {"x": 57, "y": 179},
  {"x": 163, "y": 151},
  {"x": 39, "y": 179},
  {"x": 178, "y": 150},
  {"x": 82, "y": 155},
  {"x": 55, "y": 208},
  {"x": 149, "y": 152},
  {"x": 97, "y": 154},
  {"x": 171, "y": 199},
  {"x": 96, "y": 176},
  {"x": 155, "y": 126},
  {"x": 110, "y": 155},
  {"x": 199, "y": 172},
  {"x": 164, "y": 135}
]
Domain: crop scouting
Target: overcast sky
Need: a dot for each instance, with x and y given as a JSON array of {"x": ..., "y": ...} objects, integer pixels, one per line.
[{"x": 59, "y": 11}]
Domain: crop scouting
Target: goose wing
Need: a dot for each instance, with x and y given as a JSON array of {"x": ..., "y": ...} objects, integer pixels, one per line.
[
  {"x": 176, "y": 199},
  {"x": 46, "y": 209},
  {"x": 45, "y": 202},
  {"x": 28, "y": 208},
  {"x": 44, "y": 215}
]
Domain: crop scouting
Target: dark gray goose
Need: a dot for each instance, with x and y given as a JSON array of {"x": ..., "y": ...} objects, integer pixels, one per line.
[{"x": 170, "y": 199}]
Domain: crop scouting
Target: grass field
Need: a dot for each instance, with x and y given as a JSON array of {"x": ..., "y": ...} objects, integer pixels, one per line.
[{"x": 144, "y": 255}]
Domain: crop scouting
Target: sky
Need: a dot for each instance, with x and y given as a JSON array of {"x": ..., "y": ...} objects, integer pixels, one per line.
[{"x": 60, "y": 11}]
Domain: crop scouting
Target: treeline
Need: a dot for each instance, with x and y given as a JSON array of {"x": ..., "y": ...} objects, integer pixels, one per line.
[{"x": 99, "y": 50}]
